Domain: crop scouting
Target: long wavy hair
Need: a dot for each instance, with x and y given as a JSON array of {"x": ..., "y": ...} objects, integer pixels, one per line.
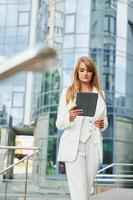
[{"x": 76, "y": 84}]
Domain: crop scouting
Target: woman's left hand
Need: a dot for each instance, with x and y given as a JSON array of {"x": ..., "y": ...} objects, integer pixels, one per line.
[{"x": 99, "y": 123}]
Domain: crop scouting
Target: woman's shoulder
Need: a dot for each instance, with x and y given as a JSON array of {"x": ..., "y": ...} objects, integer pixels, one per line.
[
  {"x": 63, "y": 92},
  {"x": 103, "y": 93},
  {"x": 65, "y": 89}
]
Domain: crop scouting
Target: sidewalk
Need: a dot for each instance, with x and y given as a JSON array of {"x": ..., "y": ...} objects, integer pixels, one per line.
[
  {"x": 113, "y": 194},
  {"x": 36, "y": 193}
]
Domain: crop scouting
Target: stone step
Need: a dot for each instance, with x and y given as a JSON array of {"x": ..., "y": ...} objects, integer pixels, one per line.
[
  {"x": 113, "y": 194},
  {"x": 47, "y": 197}
]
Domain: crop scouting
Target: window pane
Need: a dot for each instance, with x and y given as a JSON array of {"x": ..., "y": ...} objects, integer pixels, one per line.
[
  {"x": 55, "y": 80},
  {"x": 82, "y": 40},
  {"x": 51, "y": 157},
  {"x": 22, "y": 39},
  {"x": 46, "y": 98},
  {"x": 22, "y": 31},
  {"x": 20, "y": 47},
  {"x": 68, "y": 8},
  {"x": 112, "y": 25},
  {"x": 24, "y": 7},
  {"x": 54, "y": 98},
  {"x": 12, "y": 15},
  {"x": 23, "y": 18},
  {"x": 83, "y": 16},
  {"x": 9, "y": 40},
  {"x": 11, "y": 31},
  {"x": 19, "y": 82},
  {"x": 17, "y": 114},
  {"x": 68, "y": 41},
  {"x": 2, "y": 1},
  {"x": 18, "y": 99},
  {"x": 3, "y": 115},
  {"x": 67, "y": 77},
  {"x": 106, "y": 23},
  {"x": 2, "y": 15},
  {"x": 47, "y": 81},
  {"x": 9, "y": 49},
  {"x": 52, "y": 126},
  {"x": 69, "y": 23},
  {"x": 2, "y": 31},
  {"x": 68, "y": 60},
  {"x": 2, "y": 40},
  {"x": 107, "y": 148}
]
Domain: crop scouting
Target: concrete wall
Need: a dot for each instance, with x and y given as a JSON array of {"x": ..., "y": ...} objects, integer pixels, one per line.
[
  {"x": 41, "y": 137},
  {"x": 124, "y": 133},
  {"x": 3, "y": 142},
  {"x": 39, "y": 164},
  {"x": 123, "y": 148}
]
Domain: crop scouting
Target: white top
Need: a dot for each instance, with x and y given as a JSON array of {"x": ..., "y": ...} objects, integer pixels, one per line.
[{"x": 86, "y": 129}]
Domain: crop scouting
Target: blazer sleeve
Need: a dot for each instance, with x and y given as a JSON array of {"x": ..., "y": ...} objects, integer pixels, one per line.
[
  {"x": 105, "y": 117},
  {"x": 63, "y": 121}
]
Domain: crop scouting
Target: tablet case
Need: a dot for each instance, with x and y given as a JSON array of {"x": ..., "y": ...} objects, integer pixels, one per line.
[{"x": 87, "y": 101}]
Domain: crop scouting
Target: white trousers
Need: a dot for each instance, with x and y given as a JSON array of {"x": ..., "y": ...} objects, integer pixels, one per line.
[{"x": 82, "y": 171}]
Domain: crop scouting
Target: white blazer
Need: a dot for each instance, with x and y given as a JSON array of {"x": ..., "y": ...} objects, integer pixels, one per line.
[{"x": 69, "y": 140}]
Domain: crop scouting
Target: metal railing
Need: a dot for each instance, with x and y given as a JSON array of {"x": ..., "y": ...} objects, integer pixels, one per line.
[
  {"x": 115, "y": 179},
  {"x": 35, "y": 150}
]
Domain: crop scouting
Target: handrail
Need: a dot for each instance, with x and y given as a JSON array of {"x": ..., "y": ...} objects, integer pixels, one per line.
[
  {"x": 108, "y": 178},
  {"x": 115, "y": 175},
  {"x": 36, "y": 151},
  {"x": 107, "y": 167},
  {"x": 113, "y": 164},
  {"x": 112, "y": 179}
]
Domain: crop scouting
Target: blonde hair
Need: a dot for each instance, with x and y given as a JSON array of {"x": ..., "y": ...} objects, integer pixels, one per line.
[{"x": 76, "y": 84}]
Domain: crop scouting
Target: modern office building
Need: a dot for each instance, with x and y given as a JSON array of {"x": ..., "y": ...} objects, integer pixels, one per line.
[
  {"x": 15, "y": 17},
  {"x": 100, "y": 30},
  {"x": 123, "y": 84},
  {"x": 14, "y": 38},
  {"x": 17, "y": 33},
  {"x": 75, "y": 28}
]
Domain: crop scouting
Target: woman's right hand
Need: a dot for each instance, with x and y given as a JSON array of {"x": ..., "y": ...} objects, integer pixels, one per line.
[{"x": 74, "y": 112}]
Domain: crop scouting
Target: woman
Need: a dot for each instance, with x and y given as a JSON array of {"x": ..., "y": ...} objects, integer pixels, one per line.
[{"x": 81, "y": 142}]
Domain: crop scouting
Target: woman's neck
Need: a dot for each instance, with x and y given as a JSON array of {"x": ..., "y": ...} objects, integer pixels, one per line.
[{"x": 86, "y": 88}]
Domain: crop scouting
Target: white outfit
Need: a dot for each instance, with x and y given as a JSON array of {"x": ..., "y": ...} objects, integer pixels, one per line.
[
  {"x": 82, "y": 171},
  {"x": 86, "y": 123},
  {"x": 80, "y": 146}
]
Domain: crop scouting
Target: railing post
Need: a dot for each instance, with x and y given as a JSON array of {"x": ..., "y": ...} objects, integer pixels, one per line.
[
  {"x": 26, "y": 178},
  {"x": 10, "y": 152},
  {"x": 6, "y": 186},
  {"x": 11, "y": 166}
]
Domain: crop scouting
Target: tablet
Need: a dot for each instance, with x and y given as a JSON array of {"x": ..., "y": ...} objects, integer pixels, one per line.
[{"x": 87, "y": 101}]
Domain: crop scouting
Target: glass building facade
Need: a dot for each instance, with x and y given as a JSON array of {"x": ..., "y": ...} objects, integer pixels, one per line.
[
  {"x": 100, "y": 30},
  {"x": 46, "y": 86},
  {"x": 14, "y": 38}
]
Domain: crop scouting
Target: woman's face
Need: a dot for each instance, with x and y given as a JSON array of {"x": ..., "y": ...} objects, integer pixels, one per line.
[{"x": 84, "y": 74}]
